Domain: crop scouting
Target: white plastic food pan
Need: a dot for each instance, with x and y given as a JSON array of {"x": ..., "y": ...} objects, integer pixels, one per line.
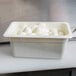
[{"x": 33, "y": 40}]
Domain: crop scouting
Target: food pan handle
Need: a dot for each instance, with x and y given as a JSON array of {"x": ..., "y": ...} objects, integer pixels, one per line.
[{"x": 74, "y": 34}]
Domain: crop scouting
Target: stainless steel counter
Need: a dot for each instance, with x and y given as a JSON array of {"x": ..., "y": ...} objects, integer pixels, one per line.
[{"x": 11, "y": 64}]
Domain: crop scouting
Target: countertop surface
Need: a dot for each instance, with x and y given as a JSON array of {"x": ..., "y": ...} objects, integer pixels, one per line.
[{"x": 10, "y": 64}]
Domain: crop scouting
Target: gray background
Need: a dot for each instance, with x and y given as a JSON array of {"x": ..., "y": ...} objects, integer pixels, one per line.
[{"x": 36, "y": 10}]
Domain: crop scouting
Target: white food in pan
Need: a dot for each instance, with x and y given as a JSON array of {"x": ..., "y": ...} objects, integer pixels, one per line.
[{"x": 39, "y": 30}]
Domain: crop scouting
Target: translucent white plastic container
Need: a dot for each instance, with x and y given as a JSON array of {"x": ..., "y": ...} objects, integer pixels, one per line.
[{"x": 38, "y": 46}]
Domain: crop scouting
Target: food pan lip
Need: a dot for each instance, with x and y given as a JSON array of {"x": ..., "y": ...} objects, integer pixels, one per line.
[
  {"x": 57, "y": 37},
  {"x": 61, "y": 37}
]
